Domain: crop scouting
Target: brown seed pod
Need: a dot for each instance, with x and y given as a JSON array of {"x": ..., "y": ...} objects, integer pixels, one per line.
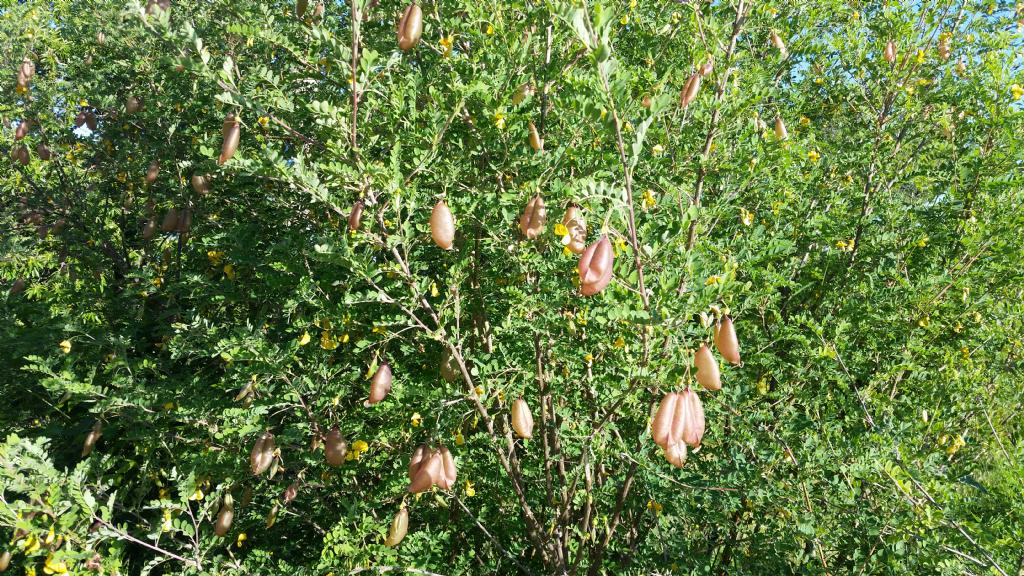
[
  {"x": 576, "y": 224},
  {"x": 726, "y": 342},
  {"x": 132, "y": 105},
  {"x": 944, "y": 49},
  {"x": 410, "y": 27},
  {"x": 231, "y": 133},
  {"x": 399, "y": 528},
  {"x": 80, "y": 119},
  {"x": 889, "y": 53},
  {"x": 355, "y": 216},
  {"x": 200, "y": 184},
  {"x": 449, "y": 367},
  {"x": 262, "y": 455},
  {"x": 536, "y": 142},
  {"x": 780, "y": 129},
  {"x": 690, "y": 90},
  {"x": 446, "y": 479},
  {"x": 22, "y": 130},
  {"x": 524, "y": 91},
  {"x": 522, "y": 420},
  {"x": 426, "y": 473},
  {"x": 595, "y": 266},
  {"x": 290, "y": 493},
  {"x": 43, "y": 151},
  {"x": 170, "y": 222},
  {"x": 442, "y": 225},
  {"x": 676, "y": 454},
  {"x": 17, "y": 287},
  {"x": 707, "y": 67},
  {"x": 20, "y": 154},
  {"x": 154, "y": 6},
  {"x": 149, "y": 230},
  {"x": 26, "y": 71},
  {"x": 419, "y": 457},
  {"x": 708, "y": 375},
  {"x": 184, "y": 224},
  {"x": 91, "y": 438},
  {"x": 380, "y": 385},
  {"x": 152, "y": 172},
  {"x": 300, "y": 8},
  {"x": 224, "y": 517},
  {"x": 318, "y": 11},
  {"x": 335, "y": 447},
  {"x": 5, "y": 560},
  {"x": 645, "y": 101},
  {"x": 662, "y": 423},
  {"x": 535, "y": 215},
  {"x": 778, "y": 43},
  {"x": 692, "y": 416},
  {"x": 101, "y": 38},
  {"x": 90, "y": 120}
]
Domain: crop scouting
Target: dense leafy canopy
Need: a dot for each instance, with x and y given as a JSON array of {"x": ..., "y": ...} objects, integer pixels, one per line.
[{"x": 855, "y": 209}]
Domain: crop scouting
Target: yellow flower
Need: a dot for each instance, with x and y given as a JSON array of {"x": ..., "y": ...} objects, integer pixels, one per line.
[
  {"x": 344, "y": 338},
  {"x": 588, "y": 358},
  {"x": 168, "y": 406},
  {"x": 327, "y": 341},
  {"x": 470, "y": 491},
  {"x": 215, "y": 257},
  {"x": 624, "y": 20},
  {"x": 561, "y": 230},
  {"x": 416, "y": 419},
  {"x": 229, "y": 271},
  {"x": 920, "y": 57},
  {"x": 434, "y": 293},
  {"x": 649, "y": 201},
  {"x": 304, "y": 339},
  {"x": 620, "y": 245},
  {"x": 654, "y": 506},
  {"x": 713, "y": 280},
  {"x": 499, "y": 120},
  {"x": 242, "y": 537},
  {"x": 263, "y": 121},
  {"x": 813, "y": 156},
  {"x": 956, "y": 445},
  {"x": 490, "y": 29},
  {"x": 746, "y": 216},
  {"x": 479, "y": 390},
  {"x": 676, "y": 17},
  {"x": 1017, "y": 90},
  {"x": 805, "y": 121},
  {"x": 459, "y": 439},
  {"x": 52, "y": 566},
  {"x": 446, "y": 46},
  {"x": 65, "y": 346},
  {"x": 658, "y": 150},
  {"x": 619, "y": 342},
  {"x": 922, "y": 242},
  {"x": 166, "y": 525},
  {"x": 380, "y": 330},
  {"x": 627, "y": 127},
  {"x": 356, "y": 450},
  {"x": 197, "y": 495}
]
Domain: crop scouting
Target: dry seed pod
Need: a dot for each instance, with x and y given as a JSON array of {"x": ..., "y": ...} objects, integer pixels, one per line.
[
  {"x": 132, "y": 105},
  {"x": 22, "y": 130},
  {"x": 446, "y": 479},
  {"x": 778, "y": 43},
  {"x": 707, "y": 369},
  {"x": 43, "y": 151},
  {"x": 442, "y": 225},
  {"x": 149, "y": 230},
  {"x": 184, "y": 223},
  {"x": 101, "y": 38},
  {"x": 80, "y": 119},
  {"x": 17, "y": 287},
  {"x": 399, "y": 528},
  {"x": 153, "y": 171},
  {"x": 535, "y": 140},
  {"x": 232, "y": 133},
  {"x": 522, "y": 93},
  {"x": 692, "y": 417},
  {"x": 335, "y": 447},
  {"x": 91, "y": 438},
  {"x": 780, "y": 129},
  {"x": 19, "y": 153},
  {"x": 662, "y": 423},
  {"x": 154, "y": 6},
  {"x": 419, "y": 457},
  {"x": 224, "y": 517},
  {"x": 577, "y": 227},
  {"x": 290, "y": 493},
  {"x": 535, "y": 215},
  {"x": 272, "y": 516},
  {"x": 944, "y": 50},
  {"x": 725, "y": 340},
  {"x": 380, "y": 384},
  {"x": 676, "y": 454},
  {"x": 410, "y": 27},
  {"x": 262, "y": 454},
  {"x": 170, "y": 222},
  {"x": 522, "y": 420},
  {"x": 355, "y": 217},
  {"x": 300, "y": 8},
  {"x": 645, "y": 101},
  {"x": 690, "y": 90},
  {"x": 25, "y": 72},
  {"x": 90, "y": 120},
  {"x": 449, "y": 367},
  {"x": 426, "y": 473},
  {"x": 890, "y": 52},
  {"x": 200, "y": 184},
  {"x": 707, "y": 67},
  {"x": 5, "y": 560},
  {"x": 595, "y": 266}
]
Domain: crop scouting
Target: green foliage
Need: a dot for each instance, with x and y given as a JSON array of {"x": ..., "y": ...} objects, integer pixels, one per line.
[{"x": 870, "y": 261}]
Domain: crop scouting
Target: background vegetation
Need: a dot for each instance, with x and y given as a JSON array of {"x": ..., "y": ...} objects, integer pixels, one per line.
[{"x": 871, "y": 261}]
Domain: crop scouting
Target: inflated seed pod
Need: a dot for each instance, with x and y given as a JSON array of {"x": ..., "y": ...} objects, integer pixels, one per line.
[
  {"x": 419, "y": 456},
  {"x": 43, "y": 151},
  {"x": 355, "y": 217},
  {"x": 91, "y": 438},
  {"x": 522, "y": 419},
  {"x": 154, "y": 6},
  {"x": 90, "y": 120},
  {"x": 780, "y": 129},
  {"x": 708, "y": 375},
  {"x": 231, "y": 133},
  {"x": 576, "y": 224},
  {"x": 170, "y": 222},
  {"x": 690, "y": 90},
  {"x": 778, "y": 43},
  {"x": 535, "y": 215},
  {"x": 290, "y": 493},
  {"x": 442, "y": 225},
  {"x": 399, "y": 528},
  {"x": 726, "y": 342},
  {"x": 153, "y": 171},
  {"x": 26, "y": 71},
  {"x": 80, "y": 119},
  {"x": 944, "y": 50},
  {"x": 707, "y": 67},
  {"x": 449, "y": 367},
  {"x": 522, "y": 93},
  {"x": 536, "y": 142},
  {"x": 645, "y": 101},
  {"x": 200, "y": 183},
  {"x": 335, "y": 447},
  {"x": 184, "y": 220},
  {"x": 662, "y": 423},
  {"x": 595, "y": 266},
  {"x": 693, "y": 417},
  {"x": 22, "y": 130},
  {"x": 17, "y": 287},
  {"x": 149, "y": 230},
  {"x": 300, "y": 8},
  {"x": 262, "y": 455},
  {"x": 5, "y": 560},
  {"x": 380, "y": 384},
  {"x": 19, "y": 153},
  {"x": 132, "y": 105},
  {"x": 676, "y": 454},
  {"x": 225, "y": 517},
  {"x": 427, "y": 473},
  {"x": 889, "y": 53},
  {"x": 446, "y": 479},
  {"x": 410, "y": 27}
]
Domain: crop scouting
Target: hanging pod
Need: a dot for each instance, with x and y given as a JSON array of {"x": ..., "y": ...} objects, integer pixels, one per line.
[
  {"x": 889, "y": 53},
  {"x": 200, "y": 184},
  {"x": 708, "y": 375},
  {"x": 944, "y": 50},
  {"x": 43, "y": 151},
  {"x": 522, "y": 419},
  {"x": 355, "y": 216},
  {"x": 335, "y": 447},
  {"x": 380, "y": 384},
  {"x": 535, "y": 215},
  {"x": 153, "y": 171},
  {"x": 26, "y": 71},
  {"x": 725, "y": 340},
  {"x": 778, "y": 43},
  {"x": 676, "y": 454},
  {"x": 399, "y": 528},
  {"x": 300, "y": 8},
  {"x": 22, "y": 130},
  {"x": 149, "y": 230},
  {"x": 91, "y": 438},
  {"x": 536, "y": 142},
  {"x": 449, "y": 367},
  {"x": 170, "y": 222},
  {"x": 692, "y": 412},
  {"x": 595, "y": 266},
  {"x": 419, "y": 455},
  {"x": 780, "y": 129},
  {"x": 20, "y": 154},
  {"x": 446, "y": 479},
  {"x": 132, "y": 105},
  {"x": 410, "y": 27},
  {"x": 426, "y": 472},
  {"x": 442, "y": 225},
  {"x": 224, "y": 517},
  {"x": 576, "y": 225},
  {"x": 522, "y": 93},
  {"x": 231, "y": 133},
  {"x": 690, "y": 90},
  {"x": 5, "y": 560},
  {"x": 662, "y": 423},
  {"x": 262, "y": 454}
]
